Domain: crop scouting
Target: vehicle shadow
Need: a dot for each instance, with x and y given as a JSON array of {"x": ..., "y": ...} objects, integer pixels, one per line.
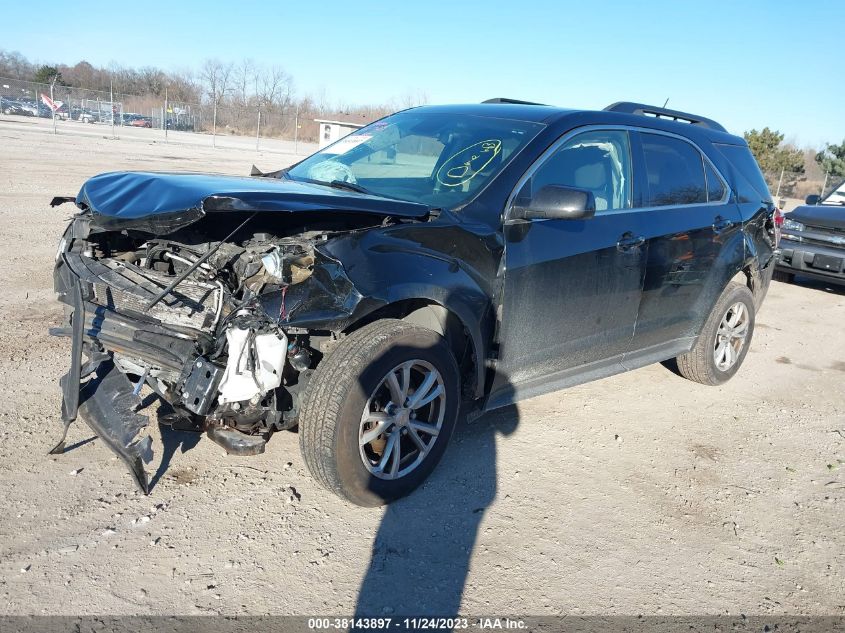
[
  {"x": 171, "y": 441},
  {"x": 422, "y": 550},
  {"x": 818, "y": 284},
  {"x": 78, "y": 444}
]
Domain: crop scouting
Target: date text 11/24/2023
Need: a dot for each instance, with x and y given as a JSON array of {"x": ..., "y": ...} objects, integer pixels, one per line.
[{"x": 416, "y": 623}]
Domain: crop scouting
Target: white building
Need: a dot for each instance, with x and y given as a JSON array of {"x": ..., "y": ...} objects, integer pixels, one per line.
[{"x": 331, "y": 131}]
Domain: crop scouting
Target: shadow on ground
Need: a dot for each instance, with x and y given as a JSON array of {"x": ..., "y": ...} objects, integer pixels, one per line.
[
  {"x": 421, "y": 553},
  {"x": 171, "y": 442},
  {"x": 817, "y": 284}
]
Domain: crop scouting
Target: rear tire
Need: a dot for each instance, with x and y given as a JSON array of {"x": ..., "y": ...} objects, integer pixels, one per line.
[
  {"x": 724, "y": 340},
  {"x": 351, "y": 396},
  {"x": 783, "y": 276}
]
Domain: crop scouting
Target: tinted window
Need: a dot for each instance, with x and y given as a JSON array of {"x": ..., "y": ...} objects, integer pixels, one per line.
[
  {"x": 750, "y": 185},
  {"x": 715, "y": 186},
  {"x": 596, "y": 161},
  {"x": 675, "y": 171}
]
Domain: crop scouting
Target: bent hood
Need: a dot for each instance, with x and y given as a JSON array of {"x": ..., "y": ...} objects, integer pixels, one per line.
[
  {"x": 823, "y": 215},
  {"x": 165, "y": 202}
]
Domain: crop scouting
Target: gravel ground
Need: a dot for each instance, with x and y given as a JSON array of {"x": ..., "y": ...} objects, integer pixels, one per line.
[{"x": 639, "y": 494}]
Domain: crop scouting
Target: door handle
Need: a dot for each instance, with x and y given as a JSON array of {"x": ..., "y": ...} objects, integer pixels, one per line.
[
  {"x": 629, "y": 242},
  {"x": 721, "y": 224}
]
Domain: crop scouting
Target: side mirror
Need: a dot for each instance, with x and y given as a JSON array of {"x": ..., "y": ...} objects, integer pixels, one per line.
[
  {"x": 554, "y": 202},
  {"x": 812, "y": 199}
]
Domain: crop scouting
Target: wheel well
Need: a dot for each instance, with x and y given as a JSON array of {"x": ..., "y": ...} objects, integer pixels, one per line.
[
  {"x": 432, "y": 315},
  {"x": 744, "y": 277}
]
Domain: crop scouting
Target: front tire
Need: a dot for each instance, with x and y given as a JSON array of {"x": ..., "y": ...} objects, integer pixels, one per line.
[
  {"x": 723, "y": 342},
  {"x": 378, "y": 412}
]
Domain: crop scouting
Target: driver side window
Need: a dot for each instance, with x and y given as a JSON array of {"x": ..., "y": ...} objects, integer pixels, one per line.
[{"x": 596, "y": 161}]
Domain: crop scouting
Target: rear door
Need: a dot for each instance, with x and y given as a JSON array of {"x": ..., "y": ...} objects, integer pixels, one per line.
[{"x": 689, "y": 223}]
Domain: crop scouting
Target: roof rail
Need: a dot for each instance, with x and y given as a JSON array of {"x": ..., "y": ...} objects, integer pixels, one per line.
[
  {"x": 506, "y": 100},
  {"x": 628, "y": 107}
]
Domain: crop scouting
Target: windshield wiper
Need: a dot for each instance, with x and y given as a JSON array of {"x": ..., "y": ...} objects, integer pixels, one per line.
[{"x": 349, "y": 186}]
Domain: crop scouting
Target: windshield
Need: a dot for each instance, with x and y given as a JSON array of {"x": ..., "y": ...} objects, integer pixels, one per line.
[
  {"x": 837, "y": 196},
  {"x": 436, "y": 159}
]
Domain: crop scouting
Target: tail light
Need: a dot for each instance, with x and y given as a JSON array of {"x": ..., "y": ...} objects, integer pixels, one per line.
[{"x": 777, "y": 218}]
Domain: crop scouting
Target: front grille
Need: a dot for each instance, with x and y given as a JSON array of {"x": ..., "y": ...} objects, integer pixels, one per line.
[{"x": 825, "y": 236}]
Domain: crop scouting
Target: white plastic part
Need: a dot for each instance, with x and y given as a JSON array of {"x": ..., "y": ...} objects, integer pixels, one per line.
[
  {"x": 239, "y": 383},
  {"x": 274, "y": 263}
]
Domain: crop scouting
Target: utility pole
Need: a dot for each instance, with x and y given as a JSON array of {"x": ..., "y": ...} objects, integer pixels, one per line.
[
  {"x": 258, "y": 131},
  {"x": 53, "y": 102},
  {"x": 164, "y": 116},
  {"x": 214, "y": 120},
  {"x": 111, "y": 104},
  {"x": 296, "y": 131}
]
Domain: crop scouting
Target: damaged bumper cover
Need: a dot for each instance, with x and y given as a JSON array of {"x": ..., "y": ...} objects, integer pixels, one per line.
[{"x": 109, "y": 404}]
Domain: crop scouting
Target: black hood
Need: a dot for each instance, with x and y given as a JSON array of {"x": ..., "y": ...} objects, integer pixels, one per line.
[
  {"x": 165, "y": 202},
  {"x": 830, "y": 216}
]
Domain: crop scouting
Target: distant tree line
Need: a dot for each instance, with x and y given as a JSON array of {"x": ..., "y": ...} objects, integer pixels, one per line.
[
  {"x": 796, "y": 171},
  {"x": 244, "y": 84}
]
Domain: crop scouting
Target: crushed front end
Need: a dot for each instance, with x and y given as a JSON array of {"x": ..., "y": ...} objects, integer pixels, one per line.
[{"x": 202, "y": 316}]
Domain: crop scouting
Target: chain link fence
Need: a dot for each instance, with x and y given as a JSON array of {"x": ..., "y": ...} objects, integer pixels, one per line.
[{"x": 118, "y": 109}]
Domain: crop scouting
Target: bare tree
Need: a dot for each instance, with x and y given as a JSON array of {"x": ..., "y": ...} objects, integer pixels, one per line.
[
  {"x": 321, "y": 101},
  {"x": 183, "y": 87},
  {"x": 246, "y": 76},
  {"x": 215, "y": 76},
  {"x": 276, "y": 88},
  {"x": 15, "y": 66},
  {"x": 410, "y": 100}
]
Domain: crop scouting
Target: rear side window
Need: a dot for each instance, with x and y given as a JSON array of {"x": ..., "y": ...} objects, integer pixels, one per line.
[
  {"x": 675, "y": 171},
  {"x": 750, "y": 184},
  {"x": 715, "y": 186}
]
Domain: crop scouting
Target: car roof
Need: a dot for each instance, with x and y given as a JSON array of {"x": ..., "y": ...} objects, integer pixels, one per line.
[
  {"x": 549, "y": 115},
  {"x": 519, "y": 111}
]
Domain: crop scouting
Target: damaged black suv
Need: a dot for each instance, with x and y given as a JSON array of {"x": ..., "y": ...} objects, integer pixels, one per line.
[{"x": 443, "y": 259}]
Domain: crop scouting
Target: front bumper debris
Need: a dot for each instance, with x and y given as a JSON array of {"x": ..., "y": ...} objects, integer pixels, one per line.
[{"x": 109, "y": 406}]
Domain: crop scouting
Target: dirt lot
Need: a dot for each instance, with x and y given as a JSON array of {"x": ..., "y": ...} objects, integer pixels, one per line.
[{"x": 639, "y": 494}]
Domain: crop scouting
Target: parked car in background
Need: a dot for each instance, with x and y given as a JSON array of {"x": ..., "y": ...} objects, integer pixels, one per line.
[
  {"x": 129, "y": 118},
  {"x": 813, "y": 240},
  {"x": 20, "y": 108},
  {"x": 180, "y": 124},
  {"x": 440, "y": 259},
  {"x": 45, "y": 112},
  {"x": 85, "y": 115},
  {"x": 141, "y": 121}
]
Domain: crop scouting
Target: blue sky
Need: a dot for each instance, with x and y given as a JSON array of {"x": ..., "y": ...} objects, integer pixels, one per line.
[{"x": 745, "y": 64}]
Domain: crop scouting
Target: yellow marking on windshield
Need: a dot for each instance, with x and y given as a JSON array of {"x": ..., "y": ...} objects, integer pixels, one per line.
[{"x": 463, "y": 166}]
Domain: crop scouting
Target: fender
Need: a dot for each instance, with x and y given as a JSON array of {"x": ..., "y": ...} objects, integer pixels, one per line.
[{"x": 438, "y": 263}]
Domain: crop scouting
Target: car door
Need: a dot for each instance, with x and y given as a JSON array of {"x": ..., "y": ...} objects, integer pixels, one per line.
[
  {"x": 571, "y": 286},
  {"x": 689, "y": 223}
]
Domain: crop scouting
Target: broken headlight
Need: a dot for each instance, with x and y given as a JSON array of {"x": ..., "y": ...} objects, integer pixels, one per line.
[
  {"x": 792, "y": 225},
  {"x": 61, "y": 248}
]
